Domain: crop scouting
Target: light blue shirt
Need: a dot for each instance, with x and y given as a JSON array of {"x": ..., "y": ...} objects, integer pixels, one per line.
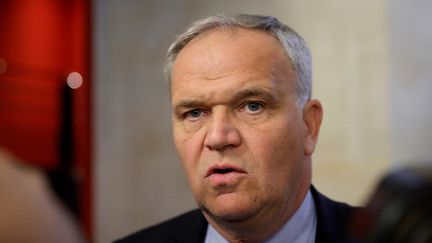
[{"x": 301, "y": 228}]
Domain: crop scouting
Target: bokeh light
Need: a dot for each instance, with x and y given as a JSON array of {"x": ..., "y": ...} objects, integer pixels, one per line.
[{"x": 74, "y": 80}]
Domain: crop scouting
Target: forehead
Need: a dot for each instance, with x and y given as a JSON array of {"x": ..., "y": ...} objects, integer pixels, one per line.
[{"x": 230, "y": 52}]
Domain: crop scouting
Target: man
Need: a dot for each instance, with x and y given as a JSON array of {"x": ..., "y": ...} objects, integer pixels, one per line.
[{"x": 245, "y": 128}]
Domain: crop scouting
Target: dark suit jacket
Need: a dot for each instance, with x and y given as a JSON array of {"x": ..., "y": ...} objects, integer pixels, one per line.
[{"x": 191, "y": 227}]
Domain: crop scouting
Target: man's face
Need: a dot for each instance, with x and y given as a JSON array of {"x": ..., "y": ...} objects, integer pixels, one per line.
[{"x": 240, "y": 133}]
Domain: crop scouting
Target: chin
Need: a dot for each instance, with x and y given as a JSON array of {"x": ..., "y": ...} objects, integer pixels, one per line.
[{"x": 230, "y": 210}]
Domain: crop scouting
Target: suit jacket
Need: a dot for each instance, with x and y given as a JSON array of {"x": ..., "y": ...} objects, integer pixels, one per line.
[{"x": 191, "y": 227}]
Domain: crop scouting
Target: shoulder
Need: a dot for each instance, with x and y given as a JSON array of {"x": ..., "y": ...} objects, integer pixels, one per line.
[
  {"x": 188, "y": 227},
  {"x": 333, "y": 219},
  {"x": 327, "y": 207}
]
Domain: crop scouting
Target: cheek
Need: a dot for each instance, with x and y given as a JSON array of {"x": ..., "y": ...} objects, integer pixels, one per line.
[
  {"x": 189, "y": 159},
  {"x": 189, "y": 149},
  {"x": 279, "y": 153}
]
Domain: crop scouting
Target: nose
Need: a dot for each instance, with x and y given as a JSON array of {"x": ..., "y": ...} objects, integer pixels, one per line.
[{"x": 221, "y": 133}]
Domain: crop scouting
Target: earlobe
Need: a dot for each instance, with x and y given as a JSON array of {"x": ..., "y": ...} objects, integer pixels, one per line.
[{"x": 312, "y": 116}]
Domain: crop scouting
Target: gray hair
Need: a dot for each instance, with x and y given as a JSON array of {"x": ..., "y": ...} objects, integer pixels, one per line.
[{"x": 292, "y": 43}]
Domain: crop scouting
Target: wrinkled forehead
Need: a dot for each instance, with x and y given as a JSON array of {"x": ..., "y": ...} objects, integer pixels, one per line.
[
  {"x": 223, "y": 51},
  {"x": 241, "y": 56},
  {"x": 224, "y": 30}
]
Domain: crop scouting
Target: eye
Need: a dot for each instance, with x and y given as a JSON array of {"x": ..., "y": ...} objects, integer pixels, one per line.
[
  {"x": 253, "y": 107},
  {"x": 193, "y": 114}
]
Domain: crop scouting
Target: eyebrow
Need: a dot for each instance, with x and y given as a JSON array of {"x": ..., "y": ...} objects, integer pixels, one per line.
[
  {"x": 188, "y": 104},
  {"x": 255, "y": 92}
]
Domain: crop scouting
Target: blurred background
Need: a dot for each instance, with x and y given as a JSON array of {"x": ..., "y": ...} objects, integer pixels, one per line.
[{"x": 82, "y": 97}]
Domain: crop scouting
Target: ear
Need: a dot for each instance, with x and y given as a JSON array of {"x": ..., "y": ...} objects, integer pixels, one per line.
[{"x": 312, "y": 117}]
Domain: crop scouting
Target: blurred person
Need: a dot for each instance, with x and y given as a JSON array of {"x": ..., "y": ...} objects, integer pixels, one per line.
[
  {"x": 245, "y": 128},
  {"x": 399, "y": 210},
  {"x": 29, "y": 211}
]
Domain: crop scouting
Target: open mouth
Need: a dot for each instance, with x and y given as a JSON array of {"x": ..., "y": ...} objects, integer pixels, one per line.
[{"x": 221, "y": 170}]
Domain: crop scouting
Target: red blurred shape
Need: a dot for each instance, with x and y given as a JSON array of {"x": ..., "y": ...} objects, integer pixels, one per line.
[{"x": 42, "y": 41}]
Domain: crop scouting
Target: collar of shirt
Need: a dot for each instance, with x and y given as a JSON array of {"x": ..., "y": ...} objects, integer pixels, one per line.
[{"x": 301, "y": 228}]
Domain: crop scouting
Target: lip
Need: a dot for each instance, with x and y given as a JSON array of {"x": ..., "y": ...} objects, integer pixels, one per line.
[
  {"x": 222, "y": 175},
  {"x": 218, "y": 169}
]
